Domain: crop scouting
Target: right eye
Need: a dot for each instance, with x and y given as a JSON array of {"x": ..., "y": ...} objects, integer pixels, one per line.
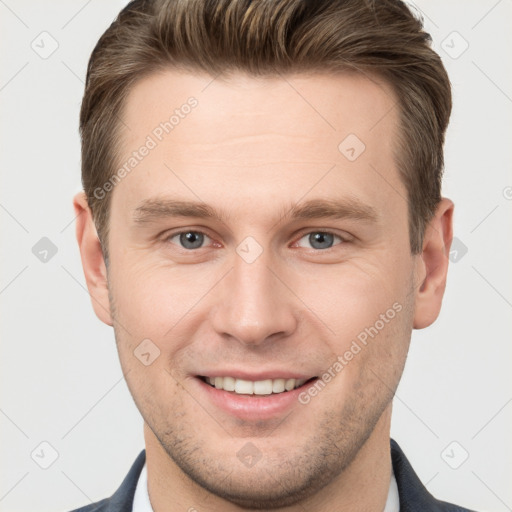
[{"x": 188, "y": 239}]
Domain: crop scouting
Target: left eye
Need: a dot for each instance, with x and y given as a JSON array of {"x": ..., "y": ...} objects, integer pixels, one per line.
[
  {"x": 189, "y": 239},
  {"x": 319, "y": 240}
]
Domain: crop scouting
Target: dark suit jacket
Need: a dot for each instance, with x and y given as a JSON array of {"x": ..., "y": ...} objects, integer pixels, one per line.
[{"x": 414, "y": 497}]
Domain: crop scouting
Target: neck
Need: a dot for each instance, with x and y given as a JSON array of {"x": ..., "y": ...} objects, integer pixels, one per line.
[{"x": 363, "y": 486}]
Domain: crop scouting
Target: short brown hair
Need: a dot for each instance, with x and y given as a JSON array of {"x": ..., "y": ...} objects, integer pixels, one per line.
[{"x": 272, "y": 37}]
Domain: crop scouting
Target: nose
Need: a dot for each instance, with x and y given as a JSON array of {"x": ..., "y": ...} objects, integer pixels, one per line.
[{"x": 254, "y": 306}]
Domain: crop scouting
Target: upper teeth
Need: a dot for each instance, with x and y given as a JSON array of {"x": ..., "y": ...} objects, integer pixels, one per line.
[{"x": 259, "y": 387}]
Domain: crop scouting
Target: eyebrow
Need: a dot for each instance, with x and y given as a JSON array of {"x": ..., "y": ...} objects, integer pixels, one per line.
[{"x": 152, "y": 210}]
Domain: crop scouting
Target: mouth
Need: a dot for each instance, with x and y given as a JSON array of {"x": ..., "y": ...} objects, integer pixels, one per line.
[
  {"x": 265, "y": 387},
  {"x": 266, "y": 398}
]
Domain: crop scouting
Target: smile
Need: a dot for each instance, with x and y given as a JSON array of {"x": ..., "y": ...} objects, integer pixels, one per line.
[{"x": 259, "y": 387}]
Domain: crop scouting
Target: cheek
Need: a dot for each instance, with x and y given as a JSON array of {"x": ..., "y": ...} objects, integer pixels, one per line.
[
  {"x": 152, "y": 387},
  {"x": 355, "y": 296},
  {"x": 158, "y": 309},
  {"x": 153, "y": 299}
]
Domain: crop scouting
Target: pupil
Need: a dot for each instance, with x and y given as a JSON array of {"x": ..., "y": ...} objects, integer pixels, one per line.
[
  {"x": 321, "y": 240},
  {"x": 191, "y": 240}
]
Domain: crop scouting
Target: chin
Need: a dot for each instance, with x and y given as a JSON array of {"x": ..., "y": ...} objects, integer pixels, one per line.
[
  {"x": 264, "y": 488},
  {"x": 285, "y": 475}
]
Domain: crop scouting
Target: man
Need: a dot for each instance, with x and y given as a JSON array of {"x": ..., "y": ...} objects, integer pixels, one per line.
[{"x": 263, "y": 226}]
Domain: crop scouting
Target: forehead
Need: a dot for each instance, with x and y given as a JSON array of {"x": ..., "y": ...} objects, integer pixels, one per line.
[
  {"x": 258, "y": 136},
  {"x": 327, "y": 104}
]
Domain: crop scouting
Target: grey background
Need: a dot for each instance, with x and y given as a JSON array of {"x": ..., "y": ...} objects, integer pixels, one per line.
[{"x": 61, "y": 381}]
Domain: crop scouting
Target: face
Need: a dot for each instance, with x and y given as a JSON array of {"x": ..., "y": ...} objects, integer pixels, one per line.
[{"x": 260, "y": 282}]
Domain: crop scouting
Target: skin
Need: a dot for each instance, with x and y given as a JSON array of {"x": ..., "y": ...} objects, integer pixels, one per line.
[{"x": 252, "y": 149}]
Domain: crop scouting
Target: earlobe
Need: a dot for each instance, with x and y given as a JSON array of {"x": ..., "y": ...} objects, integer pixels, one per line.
[
  {"x": 433, "y": 265},
  {"x": 93, "y": 262}
]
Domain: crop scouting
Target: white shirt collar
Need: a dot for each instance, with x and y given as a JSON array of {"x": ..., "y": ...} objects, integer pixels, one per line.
[
  {"x": 393, "y": 501},
  {"x": 141, "y": 501}
]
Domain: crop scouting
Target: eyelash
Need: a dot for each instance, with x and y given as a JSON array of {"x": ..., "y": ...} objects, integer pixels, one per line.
[{"x": 324, "y": 232}]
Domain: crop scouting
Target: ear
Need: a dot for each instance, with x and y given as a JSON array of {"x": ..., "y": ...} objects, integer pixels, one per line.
[
  {"x": 93, "y": 263},
  {"x": 433, "y": 265}
]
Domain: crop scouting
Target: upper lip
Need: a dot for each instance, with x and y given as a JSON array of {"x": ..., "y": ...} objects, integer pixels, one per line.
[{"x": 256, "y": 376}]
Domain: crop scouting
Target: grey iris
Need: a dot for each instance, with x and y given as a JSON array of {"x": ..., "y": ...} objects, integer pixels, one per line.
[
  {"x": 191, "y": 239},
  {"x": 321, "y": 240}
]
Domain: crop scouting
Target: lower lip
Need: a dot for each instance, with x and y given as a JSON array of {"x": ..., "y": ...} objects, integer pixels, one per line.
[{"x": 253, "y": 407}]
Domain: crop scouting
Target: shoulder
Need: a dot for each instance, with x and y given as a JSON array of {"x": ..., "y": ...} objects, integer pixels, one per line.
[
  {"x": 99, "y": 506},
  {"x": 413, "y": 494},
  {"x": 122, "y": 499}
]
